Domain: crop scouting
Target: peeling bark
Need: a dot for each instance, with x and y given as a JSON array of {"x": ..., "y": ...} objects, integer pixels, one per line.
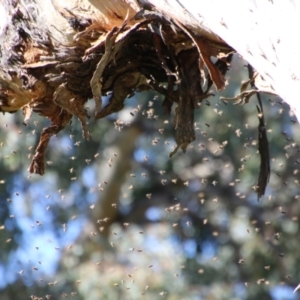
[
  {"x": 55, "y": 56},
  {"x": 54, "y": 74}
]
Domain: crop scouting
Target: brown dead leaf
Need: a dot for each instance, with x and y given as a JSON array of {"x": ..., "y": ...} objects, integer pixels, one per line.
[
  {"x": 205, "y": 53},
  {"x": 37, "y": 165}
]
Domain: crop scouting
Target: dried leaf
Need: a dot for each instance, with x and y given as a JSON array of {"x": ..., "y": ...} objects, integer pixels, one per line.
[
  {"x": 184, "y": 124},
  {"x": 27, "y": 111},
  {"x": 73, "y": 104},
  {"x": 241, "y": 98},
  {"x": 215, "y": 74},
  {"x": 263, "y": 148},
  {"x": 205, "y": 52},
  {"x": 37, "y": 165},
  {"x": 123, "y": 86}
]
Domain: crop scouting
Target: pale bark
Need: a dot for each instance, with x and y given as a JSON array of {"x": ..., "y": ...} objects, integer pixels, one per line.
[{"x": 262, "y": 32}]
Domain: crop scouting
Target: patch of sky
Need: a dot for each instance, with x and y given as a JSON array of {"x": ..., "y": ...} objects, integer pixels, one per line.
[
  {"x": 190, "y": 248},
  {"x": 89, "y": 177},
  {"x": 3, "y": 278},
  {"x": 66, "y": 144},
  {"x": 154, "y": 214},
  {"x": 283, "y": 293},
  {"x": 208, "y": 251},
  {"x": 72, "y": 231},
  {"x": 140, "y": 155},
  {"x": 240, "y": 291},
  {"x": 36, "y": 250}
]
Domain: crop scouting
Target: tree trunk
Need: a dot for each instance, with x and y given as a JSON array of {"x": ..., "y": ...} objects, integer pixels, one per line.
[{"x": 56, "y": 55}]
